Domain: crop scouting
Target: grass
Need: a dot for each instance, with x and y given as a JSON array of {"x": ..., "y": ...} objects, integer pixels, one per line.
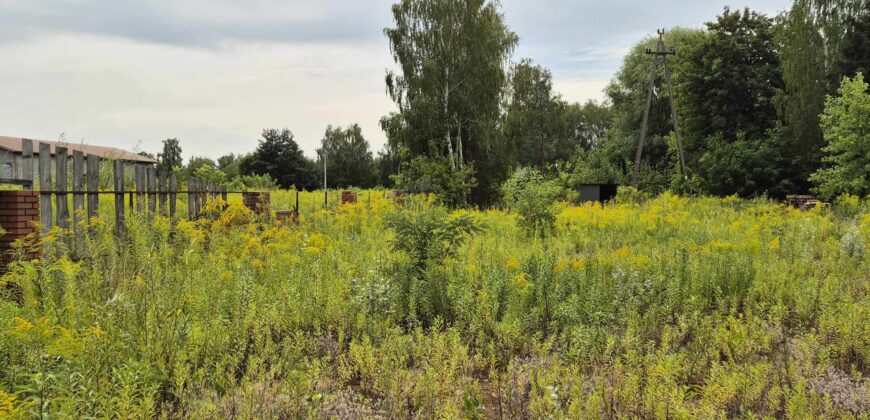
[{"x": 667, "y": 308}]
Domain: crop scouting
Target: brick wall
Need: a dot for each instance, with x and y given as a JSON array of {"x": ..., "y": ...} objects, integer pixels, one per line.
[
  {"x": 19, "y": 210},
  {"x": 259, "y": 202}
]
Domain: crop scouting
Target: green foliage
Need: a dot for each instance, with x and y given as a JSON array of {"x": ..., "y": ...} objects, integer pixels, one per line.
[
  {"x": 451, "y": 56},
  {"x": 210, "y": 174},
  {"x": 195, "y": 164},
  {"x": 534, "y": 199},
  {"x": 348, "y": 159},
  {"x": 253, "y": 183},
  {"x": 847, "y": 134},
  {"x": 278, "y": 155},
  {"x": 170, "y": 158},
  {"x": 435, "y": 176},
  {"x": 534, "y": 123},
  {"x": 425, "y": 237}
]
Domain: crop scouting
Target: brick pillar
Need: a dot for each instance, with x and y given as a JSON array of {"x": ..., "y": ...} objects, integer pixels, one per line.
[
  {"x": 259, "y": 202},
  {"x": 348, "y": 197},
  {"x": 19, "y": 210}
]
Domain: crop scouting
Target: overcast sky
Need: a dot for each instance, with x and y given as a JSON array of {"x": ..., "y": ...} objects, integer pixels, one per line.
[{"x": 214, "y": 73}]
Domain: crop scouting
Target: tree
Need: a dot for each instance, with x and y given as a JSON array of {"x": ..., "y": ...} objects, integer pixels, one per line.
[
  {"x": 278, "y": 155},
  {"x": 627, "y": 95},
  {"x": 435, "y": 176},
  {"x": 534, "y": 125},
  {"x": 729, "y": 105},
  {"x": 387, "y": 164},
  {"x": 847, "y": 134},
  {"x": 348, "y": 159},
  {"x": 855, "y": 50},
  {"x": 229, "y": 164},
  {"x": 587, "y": 124},
  {"x": 451, "y": 55},
  {"x": 170, "y": 158},
  {"x": 197, "y": 162}
]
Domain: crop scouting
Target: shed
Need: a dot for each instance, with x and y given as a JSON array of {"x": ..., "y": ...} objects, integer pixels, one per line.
[
  {"x": 11, "y": 154},
  {"x": 597, "y": 192}
]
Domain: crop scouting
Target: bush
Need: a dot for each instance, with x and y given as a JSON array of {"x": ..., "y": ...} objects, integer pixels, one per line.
[
  {"x": 534, "y": 199},
  {"x": 436, "y": 176}
]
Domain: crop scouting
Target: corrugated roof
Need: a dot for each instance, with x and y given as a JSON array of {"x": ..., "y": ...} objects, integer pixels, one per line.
[{"x": 13, "y": 144}]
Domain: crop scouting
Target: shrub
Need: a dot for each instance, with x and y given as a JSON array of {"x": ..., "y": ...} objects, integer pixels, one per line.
[
  {"x": 436, "y": 176},
  {"x": 534, "y": 199}
]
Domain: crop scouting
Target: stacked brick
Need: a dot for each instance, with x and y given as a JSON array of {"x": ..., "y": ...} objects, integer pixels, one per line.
[
  {"x": 802, "y": 202},
  {"x": 348, "y": 197},
  {"x": 259, "y": 202},
  {"x": 19, "y": 212}
]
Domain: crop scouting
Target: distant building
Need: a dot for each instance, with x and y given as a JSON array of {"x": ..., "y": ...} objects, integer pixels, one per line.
[
  {"x": 597, "y": 192},
  {"x": 11, "y": 156}
]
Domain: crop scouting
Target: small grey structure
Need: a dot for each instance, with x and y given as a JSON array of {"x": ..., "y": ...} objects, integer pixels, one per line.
[
  {"x": 597, "y": 192},
  {"x": 12, "y": 159}
]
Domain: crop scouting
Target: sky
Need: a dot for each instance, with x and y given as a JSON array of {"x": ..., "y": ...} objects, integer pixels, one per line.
[{"x": 215, "y": 73}]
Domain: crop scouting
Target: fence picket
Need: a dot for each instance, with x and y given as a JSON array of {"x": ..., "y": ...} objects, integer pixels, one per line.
[
  {"x": 93, "y": 170},
  {"x": 45, "y": 206},
  {"x": 27, "y": 162},
  {"x": 119, "y": 197},
  {"x": 60, "y": 158},
  {"x": 173, "y": 198},
  {"x": 152, "y": 192}
]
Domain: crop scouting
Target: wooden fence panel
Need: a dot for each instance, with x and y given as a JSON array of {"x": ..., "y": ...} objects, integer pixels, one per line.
[
  {"x": 139, "y": 173},
  {"x": 119, "y": 197},
  {"x": 163, "y": 186},
  {"x": 27, "y": 162},
  {"x": 152, "y": 192},
  {"x": 173, "y": 198},
  {"x": 45, "y": 188},
  {"x": 191, "y": 207},
  {"x": 94, "y": 185},
  {"x": 60, "y": 158},
  {"x": 78, "y": 187}
]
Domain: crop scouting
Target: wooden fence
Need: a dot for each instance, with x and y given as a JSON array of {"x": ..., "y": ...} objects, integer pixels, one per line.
[{"x": 153, "y": 193}]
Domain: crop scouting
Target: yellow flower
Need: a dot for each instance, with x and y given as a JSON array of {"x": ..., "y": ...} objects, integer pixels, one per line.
[
  {"x": 623, "y": 252},
  {"x": 774, "y": 244},
  {"x": 560, "y": 267},
  {"x": 312, "y": 250},
  {"x": 513, "y": 263},
  {"x": 22, "y": 326},
  {"x": 578, "y": 264},
  {"x": 95, "y": 331},
  {"x": 7, "y": 406}
]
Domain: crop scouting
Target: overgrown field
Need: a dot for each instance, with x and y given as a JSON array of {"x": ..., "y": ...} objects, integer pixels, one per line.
[{"x": 666, "y": 308}]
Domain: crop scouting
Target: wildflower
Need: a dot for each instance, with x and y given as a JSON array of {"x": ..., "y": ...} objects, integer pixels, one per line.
[
  {"x": 95, "y": 331},
  {"x": 513, "y": 263},
  {"x": 22, "y": 327},
  {"x": 623, "y": 252},
  {"x": 774, "y": 244},
  {"x": 578, "y": 264},
  {"x": 7, "y": 405},
  {"x": 560, "y": 267}
]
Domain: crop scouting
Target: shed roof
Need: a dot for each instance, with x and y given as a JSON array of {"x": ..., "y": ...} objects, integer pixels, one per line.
[{"x": 13, "y": 144}]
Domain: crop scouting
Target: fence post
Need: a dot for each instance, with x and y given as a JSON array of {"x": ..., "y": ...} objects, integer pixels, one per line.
[
  {"x": 60, "y": 157},
  {"x": 78, "y": 198},
  {"x": 119, "y": 197},
  {"x": 173, "y": 199},
  {"x": 163, "y": 186},
  {"x": 45, "y": 207},
  {"x": 224, "y": 194},
  {"x": 152, "y": 190},
  {"x": 140, "y": 187},
  {"x": 27, "y": 162},
  {"x": 93, "y": 185},
  {"x": 191, "y": 206}
]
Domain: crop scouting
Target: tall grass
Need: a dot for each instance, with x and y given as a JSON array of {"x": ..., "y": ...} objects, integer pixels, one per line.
[{"x": 672, "y": 307}]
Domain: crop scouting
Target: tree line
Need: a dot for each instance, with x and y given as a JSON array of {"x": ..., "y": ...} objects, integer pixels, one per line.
[{"x": 767, "y": 105}]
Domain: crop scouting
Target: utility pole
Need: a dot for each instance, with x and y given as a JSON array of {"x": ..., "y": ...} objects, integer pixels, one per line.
[{"x": 662, "y": 53}]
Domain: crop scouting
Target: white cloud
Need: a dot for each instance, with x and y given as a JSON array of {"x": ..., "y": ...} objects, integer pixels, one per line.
[{"x": 116, "y": 91}]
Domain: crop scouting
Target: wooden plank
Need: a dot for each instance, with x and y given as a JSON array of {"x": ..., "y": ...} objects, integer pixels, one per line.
[
  {"x": 139, "y": 173},
  {"x": 152, "y": 191},
  {"x": 62, "y": 199},
  {"x": 197, "y": 198},
  {"x": 224, "y": 194},
  {"x": 45, "y": 187},
  {"x": 27, "y": 162},
  {"x": 93, "y": 185},
  {"x": 173, "y": 198},
  {"x": 78, "y": 213},
  {"x": 191, "y": 198},
  {"x": 163, "y": 185},
  {"x": 119, "y": 197},
  {"x": 78, "y": 187}
]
